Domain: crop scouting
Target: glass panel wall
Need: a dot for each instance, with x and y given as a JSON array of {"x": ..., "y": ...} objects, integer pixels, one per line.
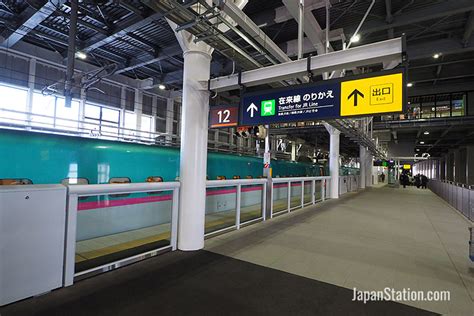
[
  {"x": 458, "y": 104},
  {"x": 432, "y": 106},
  {"x": 443, "y": 105},
  {"x": 13, "y": 99}
]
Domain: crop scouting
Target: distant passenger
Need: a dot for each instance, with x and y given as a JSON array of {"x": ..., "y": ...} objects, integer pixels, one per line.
[
  {"x": 382, "y": 177},
  {"x": 424, "y": 181},
  {"x": 418, "y": 181},
  {"x": 404, "y": 179}
]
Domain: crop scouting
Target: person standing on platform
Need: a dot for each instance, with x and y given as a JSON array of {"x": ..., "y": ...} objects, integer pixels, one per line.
[
  {"x": 424, "y": 181},
  {"x": 382, "y": 177}
]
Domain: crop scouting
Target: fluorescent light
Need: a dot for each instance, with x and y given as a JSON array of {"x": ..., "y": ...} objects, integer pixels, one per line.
[
  {"x": 426, "y": 133},
  {"x": 436, "y": 56},
  {"x": 409, "y": 85},
  {"x": 418, "y": 149},
  {"x": 81, "y": 55},
  {"x": 162, "y": 87},
  {"x": 422, "y": 142},
  {"x": 355, "y": 38}
]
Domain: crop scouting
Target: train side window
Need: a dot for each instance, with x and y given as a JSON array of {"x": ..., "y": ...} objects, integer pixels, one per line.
[
  {"x": 74, "y": 181},
  {"x": 18, "y": 181},
  {"x": 154, "y": 179},
  {"x": 120, "y": 180},
  {"x": 236, "y": 177},
  {"x": 221, "y": 178}
]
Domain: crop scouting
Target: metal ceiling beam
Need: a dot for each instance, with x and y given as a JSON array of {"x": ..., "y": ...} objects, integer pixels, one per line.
[
  {"x": 312, "y": 29},
  {"x": 281, "y": 14},
  {"x": 236, "y": 14},
  {"x": 435, "y": 11},
  {"x": 468, "y": 29},
  {"x": 291, "y": 47},
  {"x": 355, "y": 57},
  {"x": 168, "y": 78},
  {"x": 128, "y": 26},
  {"x": 165, "y": 53},
  {"x": 30, "y": 19},
  {"x": 447, "y": 46}
]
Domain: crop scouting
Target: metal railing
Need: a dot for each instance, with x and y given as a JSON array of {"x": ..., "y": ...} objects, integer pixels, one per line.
[
  {"x": 280, "y": 193},
  {"x": 75, "y": 192},
  {"x": 458, "y": 195},
  {"x": 230, "y": 204},
  {"x": 83, "y": 128},
  {"x": 238, "y": 184}
]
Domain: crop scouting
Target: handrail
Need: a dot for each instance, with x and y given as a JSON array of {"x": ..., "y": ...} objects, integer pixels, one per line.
[
  {"x": 120, "y": 188},
  {"x": 296, "y": 179},
  {"x": 233, "y": 182}
]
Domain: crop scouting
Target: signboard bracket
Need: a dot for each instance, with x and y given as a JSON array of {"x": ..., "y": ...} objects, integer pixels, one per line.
[{"x": 308, "y": 68}]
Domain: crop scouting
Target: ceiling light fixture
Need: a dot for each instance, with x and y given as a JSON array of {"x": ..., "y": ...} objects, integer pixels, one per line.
[
  {"x": 162, "y": 87},
  {"x": 81, "y": 55},
  {"x": 355, "y": 38},
  {"x": 422, "y": 143},
  {"x": 426, "y": 133},
  {"x": 436, "y": 56},
  {"x": 409, "y": 85}
]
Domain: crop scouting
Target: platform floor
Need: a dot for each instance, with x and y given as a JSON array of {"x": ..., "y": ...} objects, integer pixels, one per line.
[
  {"x": 381, "y": 237},
  {"x": 303, "y": 263}
]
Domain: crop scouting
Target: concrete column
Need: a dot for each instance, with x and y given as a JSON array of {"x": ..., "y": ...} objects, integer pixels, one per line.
[
  {"x": 194, "y": 134},
  {"x": 31, "y": 88},
  {"x": 293, "y": 151},
  {"x": 462, "y": 170},
  {"x": 363, "y": 165},
  {"x": 458, "y": 168},
  {"x": 169, "y": 119},
  {"x": 334, "y": 138},
  {"x": 450, "y": 166},
  {"x": 369, "y": 170},
  {"x": 138, "y": 109},
  {"x": 82, "y": 107},
  {"x": 442, "y": 168},
  {"x": 470, "y": 165}
]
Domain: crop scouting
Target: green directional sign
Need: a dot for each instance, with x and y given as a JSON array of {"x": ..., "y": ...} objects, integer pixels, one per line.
[{"x": 268, "y": 107}]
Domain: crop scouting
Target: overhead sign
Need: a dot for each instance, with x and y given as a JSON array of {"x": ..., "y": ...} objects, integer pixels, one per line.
[
  {"x": 223, "y": 116},
  {"x": 362, "y": 95},
  {"x": 381, "y": 94}
]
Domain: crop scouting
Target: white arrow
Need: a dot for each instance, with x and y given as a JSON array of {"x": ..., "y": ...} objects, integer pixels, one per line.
[{"x": 252, "y": 108}]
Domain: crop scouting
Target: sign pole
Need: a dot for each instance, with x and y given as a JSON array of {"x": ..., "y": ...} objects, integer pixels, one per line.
[{"x": 267, "y": 171}]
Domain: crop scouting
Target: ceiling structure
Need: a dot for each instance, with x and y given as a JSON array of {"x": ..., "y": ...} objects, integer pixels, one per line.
[{"x": 135, "y": 36}]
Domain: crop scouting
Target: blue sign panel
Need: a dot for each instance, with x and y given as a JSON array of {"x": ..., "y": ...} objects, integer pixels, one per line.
[{"x": 297, "y": 103}]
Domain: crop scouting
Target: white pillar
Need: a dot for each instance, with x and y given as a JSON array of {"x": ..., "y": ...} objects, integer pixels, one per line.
[
  {"x": 369, "y": 169},
  {"x": 293, "y": 151},
  {"x": 31, "y": 88},
  {"x": 362, "y": 159},
  {"x": 169, "y": 119},
  {"x": 194, "y": 129},
  {"x": 138, "y": 109},
  {"x": 334, "y": 138}
]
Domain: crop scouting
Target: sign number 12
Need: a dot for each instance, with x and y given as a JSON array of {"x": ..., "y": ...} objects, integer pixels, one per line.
[{"x": 226, "y": 114}]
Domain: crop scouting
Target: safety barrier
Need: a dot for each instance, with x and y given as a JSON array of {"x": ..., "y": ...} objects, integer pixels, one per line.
[
  {"x": 111, "y": 225},
  {"x": 458, "y": 195},
  {"x": 348, "y": 183},
  {"x": 287, "y": 194},
  {"x": 232, "y": 203},
  {"x": 90, "y": 208}
]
